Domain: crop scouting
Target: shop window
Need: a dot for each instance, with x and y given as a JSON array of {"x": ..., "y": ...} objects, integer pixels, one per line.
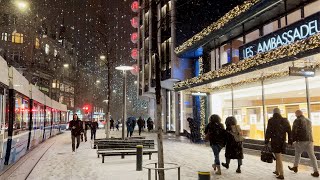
[
  {"x": 37, "y": 43},
  {"x": 47, "y": 49},
  {"x": 225, "y": 54},
  {"x": 311, "y": 8},
  {"x": 252, "y": 36},
  {"x": 271, "y": 27},
  {"x": 213, "y": 61},
  {"x": 294, "y": 17},
  {"x": 4, "y": 36},
  {"x": 17, "y": 38}
]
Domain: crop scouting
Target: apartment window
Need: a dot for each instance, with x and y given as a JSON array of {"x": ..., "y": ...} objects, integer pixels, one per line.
[
  {"x": 4, "y": 36},
  {"x": 294, "y": 17},
  {"x": 16, "y": 56},
  {"x": 225, "y": 54},
  {"x": 17, "y": 38},
  {"x": 235, "y": 49},
  {"x": 47, "y": 47},
  {"x": 271, "y": 27},
  {"x": 55, "y": 53},
  {"x": 311, "y": 8},
  {"x": 37, "y": 43},
  {"x": 252, "y": 36}
]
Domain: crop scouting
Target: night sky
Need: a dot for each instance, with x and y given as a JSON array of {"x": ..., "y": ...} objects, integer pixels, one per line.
[{"x": 97, "y": 27}]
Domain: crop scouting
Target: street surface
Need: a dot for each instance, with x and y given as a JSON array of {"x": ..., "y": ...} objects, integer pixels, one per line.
[{"x": 58, "y": 163}]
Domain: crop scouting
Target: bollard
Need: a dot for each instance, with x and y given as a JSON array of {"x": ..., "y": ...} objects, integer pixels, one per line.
[
  {"x": 203, "y": 175},
  {"x": 139, "y": 157}
]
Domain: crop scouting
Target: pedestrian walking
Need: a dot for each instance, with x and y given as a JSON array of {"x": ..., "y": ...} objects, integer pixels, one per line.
[
  {"x": 111, "y": 124},
  {"x": 140, "y": 124},
  {"x": 130, "y": 126},
  {"x": 234, "y": 139},
  {"x": 94, "y": 126},
  {"x": 216, "y": 134},
  {"x": 149, "y": 124},
  {"x": 76, "y": 128},
  {"x": 85, "y": 129},
  {"x": 303, "y": 141},
  {"x": 277, "y": 129},
  {"x": 117, "y": 123}
]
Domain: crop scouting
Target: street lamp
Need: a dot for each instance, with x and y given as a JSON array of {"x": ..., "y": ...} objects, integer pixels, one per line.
[
  {"x": 65, "y": 66},
  {"x": 98, "y": 81},
  {"x": 102, "y": 57},
  {"x": 22, "y": 5},
  {"x": 124, "y": 69}
]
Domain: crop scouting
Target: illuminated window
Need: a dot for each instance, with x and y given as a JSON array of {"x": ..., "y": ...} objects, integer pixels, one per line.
[
  {"x": 311, "y": 8},
  {"x": 37, "y": 43},
  {"x": 47, "y": 49},
  {"x": 17, "y": 38},
  {"x": 4, "y": 36}
]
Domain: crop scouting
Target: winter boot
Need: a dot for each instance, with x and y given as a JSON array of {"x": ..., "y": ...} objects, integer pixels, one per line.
[
  {"x": 294, "y": 169},
  {"x": 280, "y": 177},
  {"x": 238, "y": 170},
  {"x": 218, "y": 172},
  {"x": 315, "y": 174},
  {"x": 214, "y": 166},
  {"x": 225, "y": 165}
]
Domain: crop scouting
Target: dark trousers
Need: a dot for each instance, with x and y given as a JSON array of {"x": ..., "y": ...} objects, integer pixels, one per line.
[
  {"x": 239, "y": 161},
  {"x": 111, "y": 127},
  {"x": 140, "y": 129},
  {"x": 93, "y": 134},
  {"x": 129, "y": 133},
  {"x": 85, "y": 135},
  {"x": 73, "y": 138}
]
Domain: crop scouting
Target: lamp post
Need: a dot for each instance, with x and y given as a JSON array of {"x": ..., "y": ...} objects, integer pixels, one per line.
[
  {"x": 124, "y": 116},
  {"x": 65, "y": 66}
]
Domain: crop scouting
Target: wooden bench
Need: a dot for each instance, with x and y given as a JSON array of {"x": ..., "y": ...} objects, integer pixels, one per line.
[
  {"x": 146, "y": 142},
  {"x": 124, "y": 147},
  {"x": 123, "y": 152}
]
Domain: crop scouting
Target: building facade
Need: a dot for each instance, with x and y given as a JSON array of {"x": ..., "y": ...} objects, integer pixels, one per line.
[
  {"x": 38, "y": 51},
  {"x": 242, "y": 63}
]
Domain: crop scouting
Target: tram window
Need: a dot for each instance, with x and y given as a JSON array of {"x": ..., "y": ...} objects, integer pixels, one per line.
[
  {"x": 21, "y": 122},
  {"x": 48, "y": 117}
]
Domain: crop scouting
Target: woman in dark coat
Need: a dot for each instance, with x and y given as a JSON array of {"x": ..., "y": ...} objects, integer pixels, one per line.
[
  {"x": 216, "y": 133},
  {"x": 234, "y": 148}
]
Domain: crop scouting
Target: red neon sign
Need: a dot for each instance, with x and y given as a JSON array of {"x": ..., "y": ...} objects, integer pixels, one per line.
[
  {"x": 134, "y": 37},
  {"x": 135, "y": 22},
  {"x": 134, "y": 53},
  {"x": 135, "y": 6}
]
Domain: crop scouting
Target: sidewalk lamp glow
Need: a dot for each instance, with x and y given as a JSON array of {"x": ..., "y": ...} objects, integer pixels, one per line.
[
  {"x": 66, "y": 65},
  {"x": 124, "y": 69}
]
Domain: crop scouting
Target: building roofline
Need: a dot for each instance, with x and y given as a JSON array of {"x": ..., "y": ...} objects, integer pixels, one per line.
[{"x": 220, "y": 25}]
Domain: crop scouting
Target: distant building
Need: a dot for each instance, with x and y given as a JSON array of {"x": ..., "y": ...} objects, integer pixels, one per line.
[{"x": 38, "y": 52}]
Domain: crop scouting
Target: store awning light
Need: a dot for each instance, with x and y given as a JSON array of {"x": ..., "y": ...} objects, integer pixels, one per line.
[{"x": 199, "y": 94}]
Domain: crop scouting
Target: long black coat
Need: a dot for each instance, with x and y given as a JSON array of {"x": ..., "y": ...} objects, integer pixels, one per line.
[
  {"x": 234, "y": 149},
  {"x": 277, "y": 129},
  {"x": 217, "y": 134}
]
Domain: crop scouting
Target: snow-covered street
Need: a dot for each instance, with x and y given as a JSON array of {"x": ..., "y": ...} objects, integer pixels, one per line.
[{"x": 59, "y": 163}]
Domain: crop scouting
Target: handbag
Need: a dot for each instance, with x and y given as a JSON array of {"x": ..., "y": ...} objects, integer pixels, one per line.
[{"x": 267, "y": 155}]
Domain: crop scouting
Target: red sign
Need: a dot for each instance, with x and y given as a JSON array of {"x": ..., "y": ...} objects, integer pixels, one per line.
[
  {"x": 134, "y": 53},
  {"x": 134, "y": 37},
  {"x": 135, "y": 6},
  {"x": 135, "y": 22}
]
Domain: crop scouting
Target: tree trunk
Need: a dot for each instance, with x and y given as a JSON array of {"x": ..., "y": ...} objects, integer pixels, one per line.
[
  {"x": 107, "y": 126},
  {"x": 159, "y": 121}
]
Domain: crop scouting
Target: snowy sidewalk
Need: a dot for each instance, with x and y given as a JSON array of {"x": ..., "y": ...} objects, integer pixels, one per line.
[{"x": 59, "y": 163}]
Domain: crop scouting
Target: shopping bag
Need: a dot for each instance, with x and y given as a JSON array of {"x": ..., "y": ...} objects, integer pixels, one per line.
[{"x": 267, "y": 155}]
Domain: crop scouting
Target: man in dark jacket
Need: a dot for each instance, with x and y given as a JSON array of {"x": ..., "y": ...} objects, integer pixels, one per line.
[
  {"x": 277, "y": 129},
  {"x": 302, "y": 136},
  {"x": 76, "y": 129},
  {"x": 94, "y": 127},
  {"x": 140, "y": 124}
]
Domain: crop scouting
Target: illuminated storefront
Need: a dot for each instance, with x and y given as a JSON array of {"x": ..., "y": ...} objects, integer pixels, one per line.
[{"x": 249, "y": 74}]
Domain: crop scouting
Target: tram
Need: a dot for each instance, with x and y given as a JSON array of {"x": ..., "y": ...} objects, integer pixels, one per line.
[{"x": 27, "y": 116}]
